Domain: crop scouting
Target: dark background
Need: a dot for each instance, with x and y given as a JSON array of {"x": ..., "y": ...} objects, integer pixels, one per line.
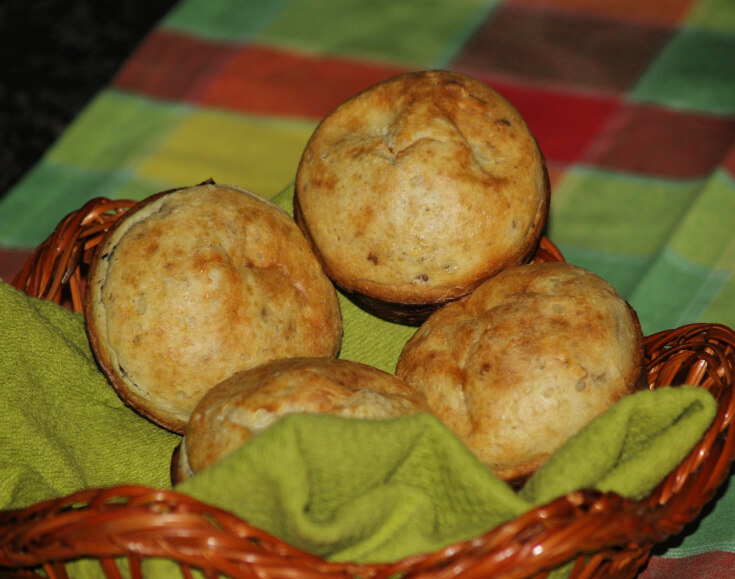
[{"x": 55, "y": 55}]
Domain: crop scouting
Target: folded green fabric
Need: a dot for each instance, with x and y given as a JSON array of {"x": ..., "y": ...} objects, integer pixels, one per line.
[
  {"x": 629, "y": 448},
  {"x": 344, "y": 489},
  {"x": 359, "y": 490},
  {"x": 62, "y": 427},
  {"x": 353, "y": 490}
]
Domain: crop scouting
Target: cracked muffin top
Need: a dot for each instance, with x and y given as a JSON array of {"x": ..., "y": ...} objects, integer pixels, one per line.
[
  {"x": 195, "y": 284},
  {"x": 419, "y": 188},
  {"x": 249, "y": 402},
  {"x": 525, "y": 361}
]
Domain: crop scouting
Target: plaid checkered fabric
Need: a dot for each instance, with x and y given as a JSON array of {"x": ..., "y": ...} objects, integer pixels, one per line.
[{"x": 632, "y": 103}]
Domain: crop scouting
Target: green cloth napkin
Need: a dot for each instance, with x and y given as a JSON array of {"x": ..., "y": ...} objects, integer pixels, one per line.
[
  {"x": 344, "y": 489},
  {"x": 359, "y": 490},
  {"x": 353, "y": 490},
  {"x": 629, "y": 448},
  {"x": 62, "y": 427}
]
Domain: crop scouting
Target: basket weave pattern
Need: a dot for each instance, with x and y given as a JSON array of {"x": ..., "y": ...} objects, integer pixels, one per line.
[{"x": 601, "y": 534}]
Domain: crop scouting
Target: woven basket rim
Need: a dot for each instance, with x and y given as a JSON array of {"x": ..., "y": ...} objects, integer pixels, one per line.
[{"x": 602, "y": 533}]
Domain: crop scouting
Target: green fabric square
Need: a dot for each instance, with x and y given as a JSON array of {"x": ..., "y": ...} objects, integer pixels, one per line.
[
  {"x": 613, "y": 223},
  {"x": 47, "y": 194},
  {"x": 713, "y": 528},
  {"x": 124, "y": 129},
  {"x": 694, "y": 71},
  {"x": 620, "y": 271},
  {"x": 691, "y": 281},
  {"x": 41, "y": 200},
  {"x": 216, "y": 19},
  {"x": 138, "y": 188},
  {"x": 618, "y": 213},
  {"x": 713, "y": 15},
  {"x": 420, "y": 34},
  {"x": 675, "y": 292},
  {"x": 707, "y": 232},
  {"x": 720, "y": 307}
]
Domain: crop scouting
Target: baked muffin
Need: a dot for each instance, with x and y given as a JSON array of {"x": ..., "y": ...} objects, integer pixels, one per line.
[
  {"x": 195, "y": 284},
  {"x": 250, "y": 401},
  {"x": 525, "y": 361},
  {"x": 416, "y": 190}
]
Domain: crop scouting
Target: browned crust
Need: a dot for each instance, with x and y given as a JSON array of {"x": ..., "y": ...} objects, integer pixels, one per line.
[
  {"x": 500, "y": 367},
  {"x": 237, "y": 409},
  {"x": 93, "y": 332},
  {"x": 117, "y": 376},
  {"x": 408, "y": 303},
  {"x": 413, "y": 311}
]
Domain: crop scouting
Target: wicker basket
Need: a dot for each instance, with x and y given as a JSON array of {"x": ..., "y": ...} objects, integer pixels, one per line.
[{"x": 600, "y": 535}]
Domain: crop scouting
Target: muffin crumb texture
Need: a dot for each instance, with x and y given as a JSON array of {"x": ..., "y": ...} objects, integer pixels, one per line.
[
  {"x": 197, "y": 284},
  {"x": 525, "y": 361},
  {"x": 249, "y": 402},
  {"x": 420, "y": 187}
]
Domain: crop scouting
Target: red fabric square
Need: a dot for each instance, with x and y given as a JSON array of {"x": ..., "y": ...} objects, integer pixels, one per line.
[
  {"x": 562, "y": 48},
  {"x": 170, "y": 65},
  {"x": 729, "y": 162},
  {"x": 669, "y": 12},
  {"x": 556, "y": 174},
  {"x": 12, "y": 261},
  {"x": 666, "y": 143},
  {"x": 564, "y": 123},
  {"x": 264, "y": 80}
]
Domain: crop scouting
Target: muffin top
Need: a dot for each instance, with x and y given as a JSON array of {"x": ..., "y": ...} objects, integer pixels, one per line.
[
  {"x": 421, "y": 187},
  {"x": 196, "y": 284},
  {"x": 250, "y": 401},
  {"x": 525, "y": 361}
]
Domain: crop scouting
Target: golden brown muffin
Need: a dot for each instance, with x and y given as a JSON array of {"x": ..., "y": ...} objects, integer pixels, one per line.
[
  {"x": 195, "y": 284},
  {"x": 525, "y": 361},
  {"x": 416, "y": 190},
  {"x": 249, "y": 402}
]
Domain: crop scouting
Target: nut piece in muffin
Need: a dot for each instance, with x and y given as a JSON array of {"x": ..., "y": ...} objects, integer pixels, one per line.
[
  {"x": 416, "y": 190},
  {"x": 193, "y": 285},
  {"x": 525, "y": 361},
  {"x": 250, "y": 401}
]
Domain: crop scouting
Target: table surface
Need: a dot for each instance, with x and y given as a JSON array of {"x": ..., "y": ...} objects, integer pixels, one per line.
[{"x": 632, "y": 103}]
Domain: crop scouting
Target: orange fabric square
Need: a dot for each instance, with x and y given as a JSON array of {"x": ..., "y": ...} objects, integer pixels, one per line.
[
  {"x": 264, "y": 80},
  {"x": 171, "y": 65},
  {"x": 564, "y": 122}
]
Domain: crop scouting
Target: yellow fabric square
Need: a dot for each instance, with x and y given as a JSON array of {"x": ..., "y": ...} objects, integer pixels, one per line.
[{"x": 258, "y": 154}]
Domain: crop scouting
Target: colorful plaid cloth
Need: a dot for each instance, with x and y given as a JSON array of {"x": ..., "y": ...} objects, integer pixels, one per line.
[{"x": 632, "y": 102}]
